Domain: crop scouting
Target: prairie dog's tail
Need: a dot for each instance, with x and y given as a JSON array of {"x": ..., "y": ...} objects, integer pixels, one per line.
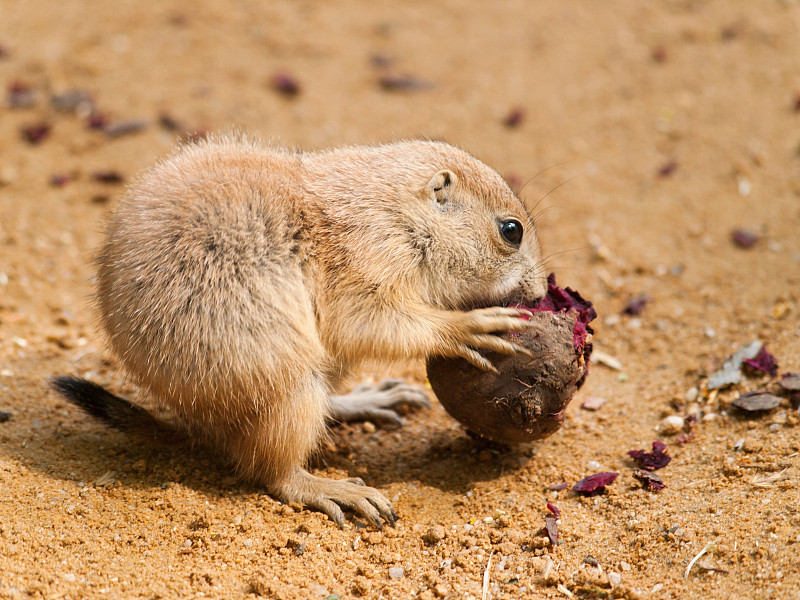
[{"x": 116, "y": 412}]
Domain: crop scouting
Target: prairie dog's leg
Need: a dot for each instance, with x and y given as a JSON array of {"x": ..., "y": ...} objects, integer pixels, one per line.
[
  {"x": 275, "y": 444},
  {"x": 376, "y": 402}
]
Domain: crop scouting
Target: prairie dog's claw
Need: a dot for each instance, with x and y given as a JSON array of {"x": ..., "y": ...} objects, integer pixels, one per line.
[
  {"x": 330, "y": 497},
  {"x": 480, "y": 329}
]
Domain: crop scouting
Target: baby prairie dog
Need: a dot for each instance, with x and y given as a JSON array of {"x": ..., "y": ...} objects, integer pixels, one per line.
[{"x": 239, "y": 284}]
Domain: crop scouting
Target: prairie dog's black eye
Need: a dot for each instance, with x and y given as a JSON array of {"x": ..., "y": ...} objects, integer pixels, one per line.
[{"x": 511, "y": 230}]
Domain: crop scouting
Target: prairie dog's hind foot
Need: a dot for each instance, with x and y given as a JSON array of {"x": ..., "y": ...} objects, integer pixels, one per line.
[
  {"x": 376, "y": 402},
  {"x": 330, "y": 496}
]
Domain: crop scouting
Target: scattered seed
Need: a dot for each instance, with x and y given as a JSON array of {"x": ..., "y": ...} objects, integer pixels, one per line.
[
  {"x": 593, "y": 403},
  {"x": 557, "y": 487},
  {"x": 403, "y": 83},
  {"x": 551, "y": 529},
  {"x": 433, "y": 535},
  {"x": 757, "y": 401},
  {"x": 514, "y": 181},
  {"x": 20, "y": 95},
  {"x": 96, "y": 120},
  {"x": 659, "y": 54},
  {"x": 668, "y": 168},
  {"x": 59, "y": 179},
  {"x": 285, "y": 84},
  {"x": 169, "y": 123},
  {"x": 71, "y": 101},
  {"x": 636, "y": 305},
  {"x": 36, "y": 133},
  {"x": 790, "y": 382},
  {"x": 381, "y": 61},
  {"x": 605, "y": 359},
  {"x": 127, "y": 127},
  {"x": 514, "y": 118},
  {"x": 744, "y": 238},
  {"x": 109, "y": 177}
]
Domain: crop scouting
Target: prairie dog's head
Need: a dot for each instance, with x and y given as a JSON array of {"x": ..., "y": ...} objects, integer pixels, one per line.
[
  {"x": 483, "y": 248},
  {"x": 429, "y": 220}
]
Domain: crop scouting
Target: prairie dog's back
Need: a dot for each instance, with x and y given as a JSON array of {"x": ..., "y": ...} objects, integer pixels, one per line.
[{"x": 200, "y": 286}]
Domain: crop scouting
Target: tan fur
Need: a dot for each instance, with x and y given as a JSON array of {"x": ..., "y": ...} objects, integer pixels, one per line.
[{"x": 240, "y": 283}]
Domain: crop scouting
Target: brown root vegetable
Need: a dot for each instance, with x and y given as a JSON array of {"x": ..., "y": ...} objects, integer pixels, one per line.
[{"x": 526, "y": 398}]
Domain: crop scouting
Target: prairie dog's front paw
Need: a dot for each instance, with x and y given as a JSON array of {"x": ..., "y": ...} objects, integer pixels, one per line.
[{"x": 480, "y": 329}]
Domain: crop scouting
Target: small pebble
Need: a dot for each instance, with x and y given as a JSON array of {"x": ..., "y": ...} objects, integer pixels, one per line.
[
  {"x": 692, "y": 394},
  {"x": 671, "y": 425},
  {"x": 396, "y": 572},
  {"x": 368, "y": 427},
  {"x": 593, "y": 465},
  {"x": 434, "y": 535},
  {"x": 624, "y": 566},
  {"x": 614, "y": 578},
  {"x": 5, "y": 416}
]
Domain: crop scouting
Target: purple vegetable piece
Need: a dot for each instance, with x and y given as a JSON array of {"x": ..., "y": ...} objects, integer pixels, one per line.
[
  {"x": 763, "y": 361},
  {"x": 563, "y": 300},
  {"x": 650, "y": 481},
  {"x": 514, "y": 118},
  {"x": 554, "y": 509},
  {"x": 60, "y": 179},
  {"x": 594, "y": 484},
  {"x": 651, "y": 461},
  {"x": 36, "y": 133},
  {"x": 668, "y": 168},
  {"x": 744, "y": 238},
  {"x": 20, "y": 95},
  {"x": 636, "y": 305},
  {"x": 285, "y": 84},
  {"x": 96, "y": 120},
  {"x": 558, "y": 486}
]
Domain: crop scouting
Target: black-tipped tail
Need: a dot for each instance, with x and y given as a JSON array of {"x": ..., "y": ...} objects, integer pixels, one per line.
[{"x": 114, "y": 411}]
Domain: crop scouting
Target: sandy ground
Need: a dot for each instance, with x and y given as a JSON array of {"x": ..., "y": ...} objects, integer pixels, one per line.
[{"x": 649, "y": 131}]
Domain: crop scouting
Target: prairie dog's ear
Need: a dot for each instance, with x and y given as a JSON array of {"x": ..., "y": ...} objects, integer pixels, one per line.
[{"x": 441, "y": 185}]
